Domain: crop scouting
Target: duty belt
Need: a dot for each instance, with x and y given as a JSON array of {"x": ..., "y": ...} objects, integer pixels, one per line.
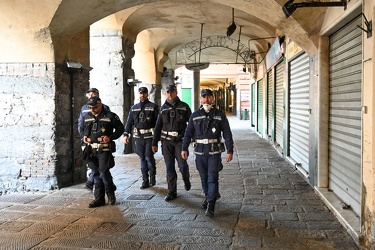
[
  {"x": 207, "y": 141},
  {"x": 143, "y": 131},
  {"x": 100, "y": 146},
  {"x": 171, "y": 133}
]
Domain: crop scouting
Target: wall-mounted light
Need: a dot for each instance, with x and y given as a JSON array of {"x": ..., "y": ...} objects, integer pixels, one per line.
[
  {"x": 289, "y": 7},
  {"x": 77, "y": 66},
  {"x": 73, "y": 65},
  {"x": 133, "y": 82}
]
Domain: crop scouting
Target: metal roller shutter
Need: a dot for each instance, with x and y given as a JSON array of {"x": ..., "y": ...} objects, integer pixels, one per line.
[
  {"x": 253, "y": 105},
  {"x": 270, "y": 104},
  {"x": 280, "y": 108},
  {"x": 260, "y": 106},
  {"x": 299, "y": 111},
  {"x": 345, "y": 114}
]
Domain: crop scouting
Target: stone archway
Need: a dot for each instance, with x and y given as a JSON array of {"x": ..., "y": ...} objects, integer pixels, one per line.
[{"x": 39, "y": 90}]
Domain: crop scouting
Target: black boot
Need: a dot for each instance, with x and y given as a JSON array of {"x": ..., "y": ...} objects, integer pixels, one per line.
[
  {"x": 111, "y": 198},
  {"x": 152, "y": 180},
  {"x": 97, "y": 203},
  {"x": 210, "y": 209},
  {"x": 99, "y": 194},
  {"x": 204, "y": 203},
  {"x": 145, "y": 184},
  {"x": 187, "y": 185},
  {"x": 171, "y": 196}
]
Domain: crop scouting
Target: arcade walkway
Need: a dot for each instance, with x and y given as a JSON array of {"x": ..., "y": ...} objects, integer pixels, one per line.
[{"x": 264, "y": 205}]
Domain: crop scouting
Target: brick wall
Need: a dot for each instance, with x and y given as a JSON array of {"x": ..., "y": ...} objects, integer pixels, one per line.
[
  {"x": 27, "y": 92},
  {"x": 36, "y": 126}
]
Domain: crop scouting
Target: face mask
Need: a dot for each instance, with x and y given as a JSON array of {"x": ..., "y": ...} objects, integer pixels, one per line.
[{"x": 207, "y": 107}]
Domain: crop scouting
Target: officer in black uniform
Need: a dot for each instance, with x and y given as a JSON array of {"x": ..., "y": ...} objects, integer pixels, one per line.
[
  {"x": 101, "y": 128},
  {"x": 84, "y": 110},
  {"x": 170, "y": 128},
  {"x": 206, "y": 126},
  {"x": 141, "y": 122}
]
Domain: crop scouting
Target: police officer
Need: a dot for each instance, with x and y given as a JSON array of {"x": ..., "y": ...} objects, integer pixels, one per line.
[
  {"x": 142, "y": 117},
  {"x": 84, "y": 110},
  {"x": 170, "y": 128},
  {"x": 101, "y": 128},
  {"x": 206, "y": 126}
]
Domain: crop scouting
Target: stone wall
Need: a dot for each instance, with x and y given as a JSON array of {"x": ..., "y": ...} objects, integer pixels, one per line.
[
  {"x": 40, "y": 141},
  {"x": 28, "y": 155}
]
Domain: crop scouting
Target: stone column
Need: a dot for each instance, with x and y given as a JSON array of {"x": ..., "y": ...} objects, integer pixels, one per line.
[
  {"x": 196, "y": 68},
  {"x": 128, "y": 73}
]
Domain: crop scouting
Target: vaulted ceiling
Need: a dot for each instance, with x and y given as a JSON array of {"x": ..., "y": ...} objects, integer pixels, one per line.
[
  {"x": 174, "y": 24},
  {"x": 48, "y": 26}
]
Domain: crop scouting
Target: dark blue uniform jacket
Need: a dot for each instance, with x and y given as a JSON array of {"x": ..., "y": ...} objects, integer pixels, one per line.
[
  {"x": 106, "y": 123},
  {"x": 204, "y": 128},
  {"x": 84, "y": 110},
  {"x": 143, "y": 117},
  {"x": 172, "y": 122}
]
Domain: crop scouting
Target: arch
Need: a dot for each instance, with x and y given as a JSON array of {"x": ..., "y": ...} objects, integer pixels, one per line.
[{"x": 186, "y": 52}]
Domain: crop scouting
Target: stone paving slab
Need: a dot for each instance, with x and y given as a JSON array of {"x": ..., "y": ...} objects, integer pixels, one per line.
[{"x": 265, "y": 204}]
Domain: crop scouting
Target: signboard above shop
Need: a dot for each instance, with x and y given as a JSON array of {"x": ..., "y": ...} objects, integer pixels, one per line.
[{"x": 274, "y": 54}]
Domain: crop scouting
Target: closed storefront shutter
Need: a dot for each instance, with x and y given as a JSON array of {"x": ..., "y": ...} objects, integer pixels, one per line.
[
  {"x": 253, "y": 105},
  {"x": 260, "y": 106},
  {"x": 280, "y": 108},
  {"x": 270, "y": 104},
  {"x": 345, "y": 114},
  {"x": 299, "y": 111}
]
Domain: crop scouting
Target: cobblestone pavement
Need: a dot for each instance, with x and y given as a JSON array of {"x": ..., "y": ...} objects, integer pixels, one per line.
[{"x": 264, "y": 205}]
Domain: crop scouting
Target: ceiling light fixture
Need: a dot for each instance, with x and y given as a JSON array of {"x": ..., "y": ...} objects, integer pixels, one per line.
[
  {"x": 232, "y": 25},
  {"x": 289, "y": 7},
  {"x": 198, "y": 65}
]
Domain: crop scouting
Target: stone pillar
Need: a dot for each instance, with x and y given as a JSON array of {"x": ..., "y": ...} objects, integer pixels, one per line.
[
  {"x": 106, "y": 59},
  {"x": 128, "y": 73},
  {"x": 196, "y": 68}
]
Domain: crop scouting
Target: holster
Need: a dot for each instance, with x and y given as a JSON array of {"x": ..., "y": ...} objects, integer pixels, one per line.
[{"x": 112, "y": 146}]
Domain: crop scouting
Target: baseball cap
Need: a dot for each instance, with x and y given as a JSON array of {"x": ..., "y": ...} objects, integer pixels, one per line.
[
  {"x": 94, "y": 101},
  {"x": 170, "y": 88},
  {"x": 206, "y": 92},
  {"x": 95, "y": 90},
  {"x": 142, "y": 90}
]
